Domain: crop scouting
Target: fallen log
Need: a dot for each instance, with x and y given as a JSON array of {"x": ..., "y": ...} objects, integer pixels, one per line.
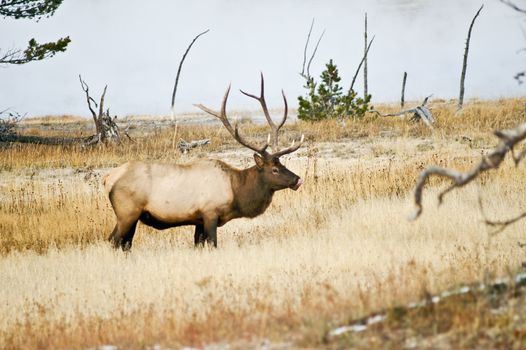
[{"x": 184, "y": 146}]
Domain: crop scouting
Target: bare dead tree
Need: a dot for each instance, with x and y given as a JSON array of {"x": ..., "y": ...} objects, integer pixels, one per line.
[
  {"x": 305, "y": 51},
  {"x": 365, "y": 50},
  {"x": 402, "y": 99},
  {"x": 8, "y": 121},
  {"x": 513, "y": 6},
  {"x": 305, "y": 70},
  {"x": 361, "y": 63},
  {"x": 14, "y": 56},
  {"x": 508, "y": 140},
  {"x": 179, "y": 70},
  {"x": 465, "y": 61},
  {"x": 105, "y": 126},
  {"x": 185, "y": 146},
  {"x": 421, "y": 112},
  {"x": 522, "y": 74}
]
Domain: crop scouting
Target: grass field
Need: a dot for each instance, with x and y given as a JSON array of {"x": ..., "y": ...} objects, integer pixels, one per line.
[{"x": 336, "y": 250}]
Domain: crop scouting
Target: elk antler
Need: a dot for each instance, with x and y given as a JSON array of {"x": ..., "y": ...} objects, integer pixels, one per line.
[
  {"x": 275, "y": 128},
  {"x": 233, "y": 130},
  {"x": 290, "y": 149}
]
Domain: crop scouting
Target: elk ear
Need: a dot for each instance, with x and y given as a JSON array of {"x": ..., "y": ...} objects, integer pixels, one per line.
[{"x": 259, "y": 160}]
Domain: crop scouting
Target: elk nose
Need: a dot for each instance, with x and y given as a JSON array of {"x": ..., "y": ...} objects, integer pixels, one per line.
[{"x": 298, "y": 184}]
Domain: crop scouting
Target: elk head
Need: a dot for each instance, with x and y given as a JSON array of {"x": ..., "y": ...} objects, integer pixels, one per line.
[{"x": 275, "y": 174}]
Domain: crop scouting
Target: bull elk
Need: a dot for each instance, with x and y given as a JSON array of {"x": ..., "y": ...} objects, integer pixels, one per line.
[{"x": 206, "y": 193}]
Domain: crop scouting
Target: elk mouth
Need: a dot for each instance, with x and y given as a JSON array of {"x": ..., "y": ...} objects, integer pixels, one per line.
[{"x": 297, "y": 185}]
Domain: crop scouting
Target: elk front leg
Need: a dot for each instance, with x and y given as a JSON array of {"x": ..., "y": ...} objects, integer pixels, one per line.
[
  {"x": 210, "y": 226},
  {"x": 199, "y": 235}
]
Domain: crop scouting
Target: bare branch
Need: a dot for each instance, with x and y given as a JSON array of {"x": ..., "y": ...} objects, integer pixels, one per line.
[
  {"x": 12, "y": 56},
  {"x": 85, "y": 87},
  {"x": 419, "y": 113},
  {"x": 360, "y": 65},
  {"x": 498, "y": 225},
  {"x": 513, "y": 6},
  {"x": 306, "y": 75},
  {"x": 181, "y": 66},
  {"x": 305, "y": 49},
  {"x": 465, "y": 62},
  {"x": 314, "y": 53},
  {"x": 508, "y": 140},
  {"x": 520, "y": 76}
]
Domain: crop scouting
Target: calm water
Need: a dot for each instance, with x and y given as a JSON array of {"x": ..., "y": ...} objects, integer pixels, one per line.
[{"x": 136, "y": 49}]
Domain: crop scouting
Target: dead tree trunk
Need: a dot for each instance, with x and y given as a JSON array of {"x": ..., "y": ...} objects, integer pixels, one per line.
[
  {"x": 465, "y": 62},
  {"x": 365, "y": 87},
  {"x": 105, "y": 126},
  {"x": 402, "y": 99},
  {"x": 421, "y": 112},
  {"x": 179, "y": 71}
]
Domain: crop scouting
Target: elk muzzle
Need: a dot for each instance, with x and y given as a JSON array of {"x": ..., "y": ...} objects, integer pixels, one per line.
[{"x": 299, "y": 182}]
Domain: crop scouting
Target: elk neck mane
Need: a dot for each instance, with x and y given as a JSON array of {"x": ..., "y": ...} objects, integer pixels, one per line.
[{"x": 252, "y": 195}]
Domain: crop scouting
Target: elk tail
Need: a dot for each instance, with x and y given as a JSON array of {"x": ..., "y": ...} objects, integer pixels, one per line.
[{"x": 105, "y": 178}]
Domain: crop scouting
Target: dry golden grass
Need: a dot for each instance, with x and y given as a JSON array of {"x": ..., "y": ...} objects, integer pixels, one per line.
[
  {"x": 337, "y": 249},
  {"x": 53, "y": 119},
  {"x": 471, "y": 126}
]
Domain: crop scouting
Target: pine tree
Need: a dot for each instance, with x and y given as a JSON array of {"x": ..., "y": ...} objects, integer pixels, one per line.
[
  {"x": 31, "y": 9},
  {"x": 327, "y": 101}
]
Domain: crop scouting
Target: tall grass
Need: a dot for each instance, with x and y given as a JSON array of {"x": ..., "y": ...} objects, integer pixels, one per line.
[
  {"x": 473, "y": 124},
  {"x": 337, "y": 249}
]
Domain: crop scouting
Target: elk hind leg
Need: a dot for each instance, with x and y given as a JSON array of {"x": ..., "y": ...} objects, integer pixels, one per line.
[
  {"x": 113, "y": 233},
  {"x": 199, "y": 235},
  {"x": 210, "y": 226},
  {"x": 123, "y": 233},
  {"x": 127, "y": 213}
]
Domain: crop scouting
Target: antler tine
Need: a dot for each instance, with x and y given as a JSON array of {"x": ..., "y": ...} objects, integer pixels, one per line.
[
  {"x": 220, "y": 115},
  {"x": 286, "y": 110},
  {"x": 263, "y": 103},
  {"x": 233, "y": 131},
  {"x": 261, "y": 150},
  {"x": 290, "y": 149}
]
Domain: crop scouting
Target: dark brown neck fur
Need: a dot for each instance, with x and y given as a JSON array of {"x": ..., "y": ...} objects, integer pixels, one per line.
[{"x": 252, "y": 195}]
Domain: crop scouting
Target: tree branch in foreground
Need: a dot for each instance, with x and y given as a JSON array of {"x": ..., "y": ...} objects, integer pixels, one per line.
[{"x": 508, "y": 140}]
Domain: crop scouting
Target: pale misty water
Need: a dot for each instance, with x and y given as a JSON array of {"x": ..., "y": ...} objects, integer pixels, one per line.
[{"x": 135, "y": 49}]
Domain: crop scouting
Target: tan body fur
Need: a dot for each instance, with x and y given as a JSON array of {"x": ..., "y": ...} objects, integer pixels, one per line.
[
  {"x": 172, "y": 193},
  {"x": 206, "y": 192}
]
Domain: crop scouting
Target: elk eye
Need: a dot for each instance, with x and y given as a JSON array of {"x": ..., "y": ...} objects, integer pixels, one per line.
[{"x": 275, "y": 171}]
